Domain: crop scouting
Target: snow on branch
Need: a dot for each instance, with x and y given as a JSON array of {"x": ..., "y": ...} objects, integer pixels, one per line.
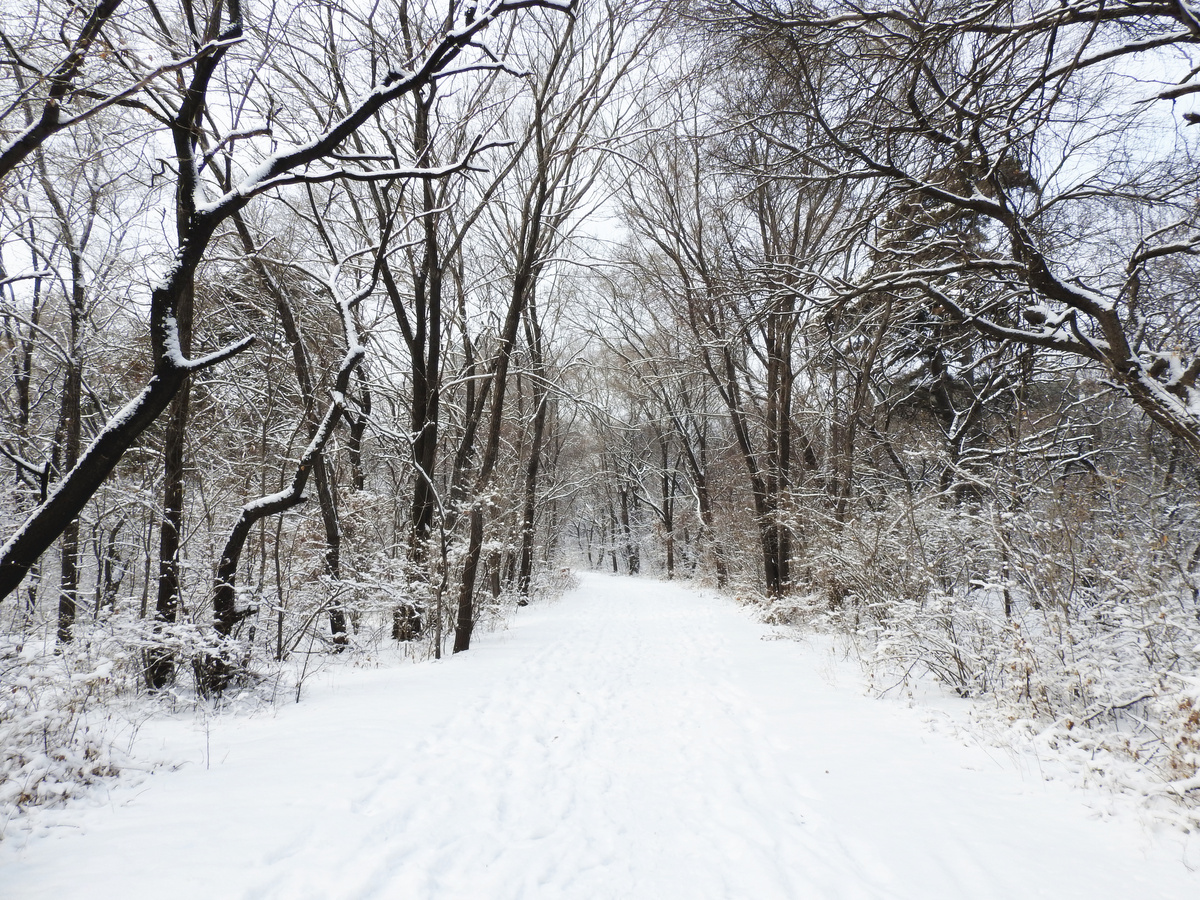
[
  {"x": 397, "y": 83},
  {"x": 216, "y": 669},
  {"x": 367, "y": 175},
  {"x": 174, "y": 353}
]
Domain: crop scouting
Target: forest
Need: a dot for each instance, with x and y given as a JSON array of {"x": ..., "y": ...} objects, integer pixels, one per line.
[{"x": 336, "y": 328}]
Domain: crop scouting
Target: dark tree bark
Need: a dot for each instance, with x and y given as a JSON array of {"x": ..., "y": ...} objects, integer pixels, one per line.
[
  {"x": 160, "y": 662},
  {"x": 633, "y": 559},
  {"x": 358, "y": 426},
  {"x": 68, "y": 438},
  {"x": 761, "y": 484},
  {"x": 666, "y": 498},
  {"x": 112, "y": 567},
  {"x": 498, "y": 382},
  {"x": 71, "y": 427}
]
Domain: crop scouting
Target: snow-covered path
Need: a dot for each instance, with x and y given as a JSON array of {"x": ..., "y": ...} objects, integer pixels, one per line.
[{"x": 633, "y": 740}]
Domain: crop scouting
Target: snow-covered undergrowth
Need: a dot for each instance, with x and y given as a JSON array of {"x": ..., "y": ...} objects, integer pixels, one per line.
[
  {"x": 62, "y": 716},
  {"x": 70, "y": 711},
  {"x": 1082, "y": 644}
]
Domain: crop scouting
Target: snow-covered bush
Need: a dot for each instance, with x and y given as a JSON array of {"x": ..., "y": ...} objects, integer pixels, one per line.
[
  {"x": 551, "y": 583},
  {"x": 60, "y": 715},
  {"x": 69, "y": 711},
  {"x": 1073, "y": 621}
]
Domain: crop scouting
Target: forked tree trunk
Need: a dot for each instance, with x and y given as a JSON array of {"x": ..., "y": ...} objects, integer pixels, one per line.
[{"x": 160, "y": 661}]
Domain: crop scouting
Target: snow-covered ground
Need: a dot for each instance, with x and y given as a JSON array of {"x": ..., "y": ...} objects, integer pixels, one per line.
[{"x": 633, "y": 740}]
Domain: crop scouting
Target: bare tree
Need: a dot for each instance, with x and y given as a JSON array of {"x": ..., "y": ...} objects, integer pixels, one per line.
[
  {"x": 217, "y": 668},
  {"x": 1011, "y": 140},
  {"x": 735, "y": 240}
]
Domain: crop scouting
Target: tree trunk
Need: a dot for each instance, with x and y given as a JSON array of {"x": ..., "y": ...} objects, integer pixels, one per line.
[
  {"x": 541, "y": 401},
  {"x": 529, "y": 506},
  {"x": 70, "y": 433},
  {"x": 633, "y": 560},
  {"x": 498, "y": 381},
  {"x": 667, "y": 485},
  {"x": 160, "y": 661}
]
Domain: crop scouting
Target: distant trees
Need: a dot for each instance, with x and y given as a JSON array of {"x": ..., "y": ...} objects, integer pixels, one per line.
[
  {"x": 581, "y": 105},
  {"x": 864, "y": 216},
  {"x": 739, "y": 261}
]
